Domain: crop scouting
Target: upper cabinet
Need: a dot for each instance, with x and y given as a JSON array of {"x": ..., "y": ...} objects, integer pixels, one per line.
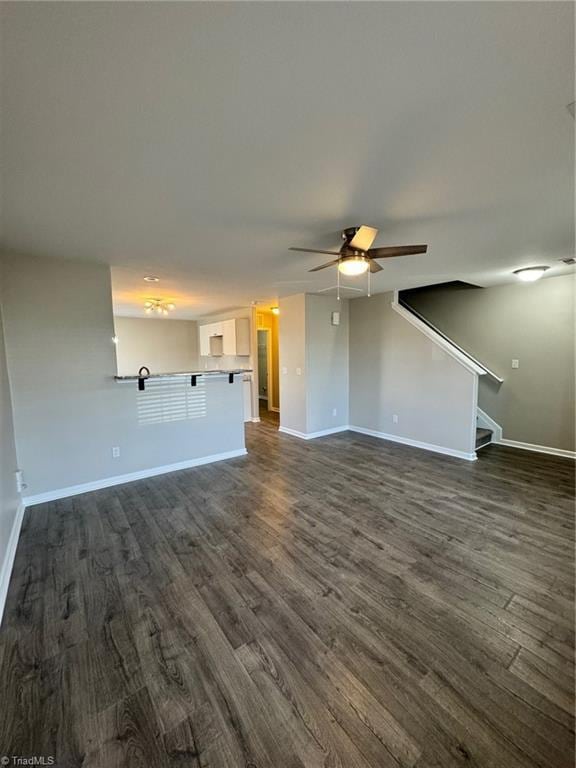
[{"x": 228, "y": 337}]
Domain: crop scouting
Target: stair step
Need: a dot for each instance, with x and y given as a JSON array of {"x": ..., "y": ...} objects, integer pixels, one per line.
[{"x": 483, "y": 437}]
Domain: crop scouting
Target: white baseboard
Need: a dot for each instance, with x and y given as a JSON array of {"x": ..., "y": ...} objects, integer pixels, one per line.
[
  {"x": 312, "y": 435},
  {"x": 273, "y": 408},
  {"x": 9, "y": 556},
  {"x": 537, "y": 448},
  {"x": 415, "y": 443},
  {"x": 255, "y": 419},
  {"x": 107, "y": 482}
]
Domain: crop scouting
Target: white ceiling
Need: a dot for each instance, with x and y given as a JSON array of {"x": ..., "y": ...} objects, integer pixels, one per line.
[{"x": 198, "y": 141}]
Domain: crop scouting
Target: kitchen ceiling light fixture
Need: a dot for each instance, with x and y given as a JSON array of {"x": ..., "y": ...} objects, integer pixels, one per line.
[
  {"x": 530, "y": 274},
  {"x": 158, "y": 306},
  {"x": 151, "y": 279},
  {"x": 275, "y": 310},
  {"x": 353, "y": 265}
]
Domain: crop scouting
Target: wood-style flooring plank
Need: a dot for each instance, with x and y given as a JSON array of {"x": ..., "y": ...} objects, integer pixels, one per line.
[{"x": 338, "y": 603}]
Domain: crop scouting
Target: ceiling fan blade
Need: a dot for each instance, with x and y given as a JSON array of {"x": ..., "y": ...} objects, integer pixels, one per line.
[
  {"x": 364, "y": 238},
  {"x": 396, "y": 250},
  {"x": 323, "y": 266},
  {"x": 375, "y": 267},
  {"x": 315, "y": 250}
]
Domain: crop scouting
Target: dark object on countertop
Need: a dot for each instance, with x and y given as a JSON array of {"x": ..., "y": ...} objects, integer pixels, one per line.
[{"x": 142, "y": 377}]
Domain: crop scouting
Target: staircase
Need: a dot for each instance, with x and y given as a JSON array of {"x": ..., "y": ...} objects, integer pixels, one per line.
[
  {"x": 483, "y": 437},
  {"x": 487, "y": 430}
]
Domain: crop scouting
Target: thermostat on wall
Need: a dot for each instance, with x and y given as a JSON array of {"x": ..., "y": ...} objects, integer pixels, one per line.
[{"x": 335, "y": 318}]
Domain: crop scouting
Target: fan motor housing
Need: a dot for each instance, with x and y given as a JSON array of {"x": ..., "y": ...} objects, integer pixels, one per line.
[{"x": 348, "y": 235}]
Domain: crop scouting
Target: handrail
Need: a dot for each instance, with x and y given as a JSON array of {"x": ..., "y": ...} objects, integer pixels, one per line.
[{"x": 464, "y": 357}]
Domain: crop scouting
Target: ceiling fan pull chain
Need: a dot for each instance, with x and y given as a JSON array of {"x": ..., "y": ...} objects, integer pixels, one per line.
[
  {"x": 369, "y": 271},
  {"x": 338, "y": 284}
]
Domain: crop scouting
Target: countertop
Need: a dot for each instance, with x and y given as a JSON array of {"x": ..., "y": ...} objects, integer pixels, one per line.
[{"x": 176, "y": 374}]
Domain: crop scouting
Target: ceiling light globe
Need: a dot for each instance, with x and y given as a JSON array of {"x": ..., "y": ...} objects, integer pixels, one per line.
[
  {"x": 530, "y": 274},
  {"x": 354, "y": 265}
]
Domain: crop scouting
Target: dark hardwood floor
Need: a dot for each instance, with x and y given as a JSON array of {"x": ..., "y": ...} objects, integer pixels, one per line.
[{"x": 340, "y": 602}]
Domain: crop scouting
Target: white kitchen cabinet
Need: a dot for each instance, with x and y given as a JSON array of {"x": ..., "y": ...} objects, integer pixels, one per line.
[
  {"x": 204, "y": 340},
  {"x": 228, "y": 337},
  {"x": 237, "y": 332}
]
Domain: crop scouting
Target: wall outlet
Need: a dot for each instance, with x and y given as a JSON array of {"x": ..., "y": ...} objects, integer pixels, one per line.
[
  {"x": 298, "y": 371},
  {"x": 395, "y": 418},
  {"x": 515, "y": 363},
  {"x": 334, "y": 412},
  {"x": 116, "y": 452},
  {"x": 284, "y": 370}
]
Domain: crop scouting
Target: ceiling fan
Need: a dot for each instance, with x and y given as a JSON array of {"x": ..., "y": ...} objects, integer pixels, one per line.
[{"x": 356, "y": 256}]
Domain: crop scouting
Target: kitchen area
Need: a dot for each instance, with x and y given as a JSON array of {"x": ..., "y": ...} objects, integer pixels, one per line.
[{"x": 207, "y": 346}]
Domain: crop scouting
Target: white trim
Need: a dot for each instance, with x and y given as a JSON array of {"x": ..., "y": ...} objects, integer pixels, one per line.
[
  {"x": 488, "y": 423},
  {"x": 473, "y": 415},
  {"x": 107, "y": 482},
  {"x": 9, "y": 556},
  {"x": 255, "y": 419},
  {"x": 312, "y": 435},
  {"x": 439, "y": 340},
  {"x": 414, "y": 443},
  {"x": 537, "y": 448},
  {"x": 273, "y": 408}
]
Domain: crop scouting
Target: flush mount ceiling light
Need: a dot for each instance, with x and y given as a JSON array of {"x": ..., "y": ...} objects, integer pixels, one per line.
[
  {"x": 151, "y": 278},
  {"x": 353, "y": 265},
  {"x": 158, "y": 306},
  {"x": 275, "y": 310},
  {"x": 530, "y": 274}
]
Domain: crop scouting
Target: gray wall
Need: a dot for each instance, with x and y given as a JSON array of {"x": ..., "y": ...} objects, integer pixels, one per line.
[
  {"x": 292, "y": 350},
  {"x": 533, "y": 323},
  {"x": 164, "y": 345},
  {"x": 327, "y": 363},
  {"x": 311, "y": 344},
  {"x": 9, "y": 499},
  {"x": 395, "y": 369},
  {"x": 68, "y": 410}
]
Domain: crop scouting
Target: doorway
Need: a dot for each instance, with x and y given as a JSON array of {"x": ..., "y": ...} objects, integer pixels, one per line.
[{"x": 264, "y": 369}]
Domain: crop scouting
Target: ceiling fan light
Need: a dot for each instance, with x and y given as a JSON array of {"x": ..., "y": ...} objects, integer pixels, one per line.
[
  {"x": 530, "y": 274},
  {"x": 353, "y": 265}
]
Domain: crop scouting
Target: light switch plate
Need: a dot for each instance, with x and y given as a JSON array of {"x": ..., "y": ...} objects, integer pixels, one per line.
[
  {"x": 335, "y": 318},
  {"x": 515, "y": 363}
]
